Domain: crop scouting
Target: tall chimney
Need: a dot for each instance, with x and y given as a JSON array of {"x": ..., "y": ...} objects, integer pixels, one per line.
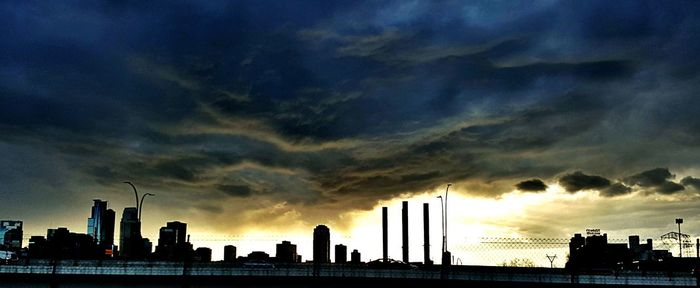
[
  {"x": 385, "y": 233},
  {"x": 404, "y": 217},
  {"x": 426, "y": 234}
]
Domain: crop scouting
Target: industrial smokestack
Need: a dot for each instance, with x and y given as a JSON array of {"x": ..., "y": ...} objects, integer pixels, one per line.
[
  {"x": 426, "y": 234},
  {"x": 385, "y": 233},
  {"x": 404, "y": 217}
]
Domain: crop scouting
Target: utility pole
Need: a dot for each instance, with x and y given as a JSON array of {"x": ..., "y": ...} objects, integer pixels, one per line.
[{"x": 551, "y": 260}]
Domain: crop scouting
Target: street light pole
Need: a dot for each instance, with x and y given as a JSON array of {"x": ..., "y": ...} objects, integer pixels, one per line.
[
  {"x": 136, "y": 193},
  {"x": 141, "y": 203},
  {"x": 446, "y": 190}
]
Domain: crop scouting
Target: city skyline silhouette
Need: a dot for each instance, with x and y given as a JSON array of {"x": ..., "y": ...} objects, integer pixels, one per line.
[{"x": 510, "y": 127}]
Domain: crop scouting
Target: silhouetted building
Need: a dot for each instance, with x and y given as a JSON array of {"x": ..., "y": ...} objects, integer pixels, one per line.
[
  {"x": 258, "y": 256},
  {"x": 130, "y": 241},
  {"x": 100, "y": 226},
  {"x": 355, "y": 257},
  {"x": 322, "y": 244},
  {"x": 286, "y": 252},
  {"x": 404, "y": 221},
  {"x": 62, "y": 244},
  {"x": 594, "y": 252},
  {"x": 172, "y": 244},
  {"x": 37, "y": 247},
  {"x": 202, "y": 254},
  {"x": 229, "y": 253},
  {"x": 341, "y": 254},
  {"x": 147, "y": 246},
  {"x": 11, "y": 235}
]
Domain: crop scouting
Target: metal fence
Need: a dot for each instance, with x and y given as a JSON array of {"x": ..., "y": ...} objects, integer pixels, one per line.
[{"x": 536, "y": 252}]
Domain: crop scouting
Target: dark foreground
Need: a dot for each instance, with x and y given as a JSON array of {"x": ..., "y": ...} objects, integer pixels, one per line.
[{"x": 169, "y": 274}]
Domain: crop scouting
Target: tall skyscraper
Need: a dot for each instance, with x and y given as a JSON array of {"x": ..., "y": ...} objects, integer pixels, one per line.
[
  {"x": 322, "y": 244},
  {"x": 11, "y": 234},
  {"x": 101, "y": 225},
  {"x": 130, "y": 242}
]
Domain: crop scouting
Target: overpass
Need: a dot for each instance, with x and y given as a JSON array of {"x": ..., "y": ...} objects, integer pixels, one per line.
[{"x": 218, "y": 274}]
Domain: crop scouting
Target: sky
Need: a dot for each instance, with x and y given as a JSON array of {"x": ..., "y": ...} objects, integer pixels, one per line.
[{"x": 257, "y": 120}]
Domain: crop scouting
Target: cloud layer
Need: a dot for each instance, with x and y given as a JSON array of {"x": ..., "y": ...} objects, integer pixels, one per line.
[{"x": 317, "y": 108}]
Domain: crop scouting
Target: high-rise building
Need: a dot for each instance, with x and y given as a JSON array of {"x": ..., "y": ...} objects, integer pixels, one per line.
[
  {"x": 94, "y": 223},
  {"x": 108, "y": 223},
  {"x": 341, "y": 254},
  {"x": 229, "y": 253},
  {"x": 101, "y": 225},
  {"x": 286, "y": 252},
  {"x": 11, "y": 234},
  {"x": 322, "y": 244},
  {"x": 172, "y": 244},
  {"x": 130, "y": 241},
  {"x": 166, "y": 237},
  {"x": 180, "y": 231},
  {"x": 173, "y": 233}
]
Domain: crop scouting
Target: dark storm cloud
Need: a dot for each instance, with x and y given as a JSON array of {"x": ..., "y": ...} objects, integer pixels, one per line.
[
  {"x": 691, "y": 182},
  {"x": 651, "y": 181},
  {"x": 533, "y": 185},
  {"x": 656, "y": 179},
  {"x": 236, "y": 190},
  {"x": 578, "y": 181},
  {"x": 669, "y": 187},
  {"x": 616, "y": 189},
  {"x": 650, "y": 178},
  {"x": 344, "y": 103}
]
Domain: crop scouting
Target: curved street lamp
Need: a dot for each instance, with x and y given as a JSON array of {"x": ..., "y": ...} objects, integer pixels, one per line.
[
  {"x": 136, "y": 193},
  {"x": 445, "y": 236},
  {"x": 141, "y": 203}
]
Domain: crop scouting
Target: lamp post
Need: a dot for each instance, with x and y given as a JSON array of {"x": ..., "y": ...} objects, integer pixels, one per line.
[
  {"x": 446, "y": 190},
  {"x": 679, "y": 221},
  {"x": 141, "y": 203},
  {"x": 136, "y": 193}
]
